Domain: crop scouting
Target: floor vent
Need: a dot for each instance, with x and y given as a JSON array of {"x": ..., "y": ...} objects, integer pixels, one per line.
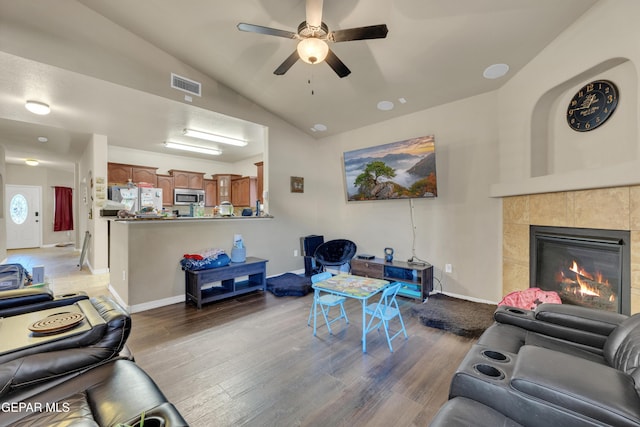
[{"x": 185, "y": 85}]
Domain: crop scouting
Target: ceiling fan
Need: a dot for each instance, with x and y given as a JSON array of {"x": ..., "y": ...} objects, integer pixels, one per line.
[{"x": 313, "y": 35}]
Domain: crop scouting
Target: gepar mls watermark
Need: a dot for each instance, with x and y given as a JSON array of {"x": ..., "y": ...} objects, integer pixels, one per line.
[{"x": 34, "y": 407}]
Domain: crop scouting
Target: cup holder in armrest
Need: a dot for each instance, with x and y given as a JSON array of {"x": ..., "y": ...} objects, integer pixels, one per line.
[
  {"x": 495, "y": 356},
  {"x": 516, "y": 311},
  {"x": 489, "y": 371}
]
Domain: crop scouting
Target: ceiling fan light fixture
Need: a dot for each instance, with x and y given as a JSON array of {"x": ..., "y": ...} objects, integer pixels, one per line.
[
  {"x": 215, "y": 138},
  {"x": 312, "y": 50},
  {"x": 192, "y": 148},
  {"x": 32, "y": 162},
  {"x": 37, "y": 107}
]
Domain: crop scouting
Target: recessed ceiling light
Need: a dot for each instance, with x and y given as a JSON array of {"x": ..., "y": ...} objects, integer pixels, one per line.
[
  {"x": 319, "y": 127},
  {"x": 402, "y": 100},
  {"x": 495, "y": 71},
  {"x": 43, "y": 139},
  {"x": 37, "y": 107},
  {"x": 32, "y": 162},
  {"x": 385, "y": 105}
]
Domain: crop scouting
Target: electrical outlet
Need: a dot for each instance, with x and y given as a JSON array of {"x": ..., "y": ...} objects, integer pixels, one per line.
[
  {"x": 448, "y": 268},
  {"x": 124, "y": 275},
  {"x": 295, "y": 252}
]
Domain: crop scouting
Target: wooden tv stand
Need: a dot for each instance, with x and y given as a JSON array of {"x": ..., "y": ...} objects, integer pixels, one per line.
[{"x": 417, "y": 280}]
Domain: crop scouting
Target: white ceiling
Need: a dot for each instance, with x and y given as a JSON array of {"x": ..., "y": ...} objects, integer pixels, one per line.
[{"x": 435, "y": 53}]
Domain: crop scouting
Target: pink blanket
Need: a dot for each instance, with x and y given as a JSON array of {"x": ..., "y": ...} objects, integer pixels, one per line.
[{"x": 530, "y": 298}]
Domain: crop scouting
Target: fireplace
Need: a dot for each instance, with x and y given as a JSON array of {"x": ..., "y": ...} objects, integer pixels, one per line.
[{"x": 585, "y": 266}]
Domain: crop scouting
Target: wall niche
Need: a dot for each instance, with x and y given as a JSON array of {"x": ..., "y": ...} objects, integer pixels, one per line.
[{"x": 557, "y": 149}]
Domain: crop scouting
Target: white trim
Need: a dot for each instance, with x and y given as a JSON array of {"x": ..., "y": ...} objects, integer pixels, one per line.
[
  {"x": 155, "y": 304},
  {"x": 119, "y": 300},
  {"x": 484, "y": 301}
]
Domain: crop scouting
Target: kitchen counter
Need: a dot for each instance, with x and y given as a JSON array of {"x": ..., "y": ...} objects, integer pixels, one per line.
[
  {"x": 145, "y": 253},
  {"x": 188, "y": 218}
]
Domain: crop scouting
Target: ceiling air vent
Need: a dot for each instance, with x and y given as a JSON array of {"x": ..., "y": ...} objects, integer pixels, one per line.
[{"x": 185, "y": 85}]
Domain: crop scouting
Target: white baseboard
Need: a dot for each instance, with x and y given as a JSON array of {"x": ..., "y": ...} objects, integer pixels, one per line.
[
  {"x": 480, "y": 300},
  {"x": 157, "y": 303}
]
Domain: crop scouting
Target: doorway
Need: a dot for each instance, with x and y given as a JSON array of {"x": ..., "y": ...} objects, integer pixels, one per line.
[{"x": 23, "y": 224}]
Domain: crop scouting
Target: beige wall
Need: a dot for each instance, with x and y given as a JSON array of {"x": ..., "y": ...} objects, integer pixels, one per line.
[
  {"x": 3, "y": 232},
  {"x": 532, "y": 109},
  {"x": 45, "y": 178},
  {"x": 609, "y": 208},
  {"x": 462, "y": 226}
]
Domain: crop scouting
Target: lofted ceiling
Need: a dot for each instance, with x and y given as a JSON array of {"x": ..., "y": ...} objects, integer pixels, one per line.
[{"x": 435, "y": 53}]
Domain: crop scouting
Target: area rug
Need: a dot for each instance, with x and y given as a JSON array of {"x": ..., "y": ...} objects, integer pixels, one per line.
[
  {"x": 458, "y": 316},
  {"x": 289, "y": 284}
]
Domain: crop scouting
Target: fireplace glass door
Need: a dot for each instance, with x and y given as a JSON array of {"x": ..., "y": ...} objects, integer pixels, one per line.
[{"x": 585, "y": 267}]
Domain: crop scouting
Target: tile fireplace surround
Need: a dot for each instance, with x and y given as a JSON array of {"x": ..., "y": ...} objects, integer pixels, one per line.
[{"x": 616, "y": 208}]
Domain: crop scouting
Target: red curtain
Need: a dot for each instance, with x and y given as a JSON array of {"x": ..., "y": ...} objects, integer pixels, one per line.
[{"x": 63, "y": 218}]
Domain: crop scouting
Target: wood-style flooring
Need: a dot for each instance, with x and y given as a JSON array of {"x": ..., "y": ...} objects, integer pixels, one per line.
[{"x": 253, "y": 361}]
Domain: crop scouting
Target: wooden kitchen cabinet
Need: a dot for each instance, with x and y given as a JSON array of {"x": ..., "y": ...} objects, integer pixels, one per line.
[
  {"x": 243, "y": 191},
  {"x": 187, "y": 179},
  {"x": 224, "y": 186},
  {"x": 210, "y": 192},
  {"x": 165, "y": 182},
  {"x": 143, "y": 174},
  {"x": 260, "y": 181},
  {"x": 121, "y": 173}
]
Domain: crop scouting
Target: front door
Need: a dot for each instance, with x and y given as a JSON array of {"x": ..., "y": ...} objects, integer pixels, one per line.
[{"x": 24, "y": 228}]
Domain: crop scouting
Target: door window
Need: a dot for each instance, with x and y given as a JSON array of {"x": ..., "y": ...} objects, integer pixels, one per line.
[{"x": 19, "y": 209}]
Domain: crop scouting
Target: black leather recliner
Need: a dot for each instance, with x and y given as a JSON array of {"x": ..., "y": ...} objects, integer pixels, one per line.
[
  {"x": 117, "y": 392},
  {"x": 557, "y": 365},
  {"x": 28, "y": 299}
]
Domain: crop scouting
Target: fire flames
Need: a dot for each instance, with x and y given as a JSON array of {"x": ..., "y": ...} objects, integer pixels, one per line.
[{"x": 588, "y": 283}]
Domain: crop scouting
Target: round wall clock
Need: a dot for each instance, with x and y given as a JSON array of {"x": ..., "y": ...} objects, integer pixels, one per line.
[{"x": 592, "y": 105}]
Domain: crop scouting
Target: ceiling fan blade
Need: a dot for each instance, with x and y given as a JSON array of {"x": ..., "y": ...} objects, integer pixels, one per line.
[
  {"x": 314, "y": 13},
  {"x": 337, "y": 65},
  {"x": 360, "y": 33},
  {"x": 266, "y": 30},
  {"x": 288, "y": 63}
]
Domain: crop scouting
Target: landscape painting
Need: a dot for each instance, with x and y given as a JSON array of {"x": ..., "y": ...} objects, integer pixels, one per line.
[{"x": 398, "y": 170}]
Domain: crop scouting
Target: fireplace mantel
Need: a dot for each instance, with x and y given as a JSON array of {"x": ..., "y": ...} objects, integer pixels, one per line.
[{"x": 615, "y": 208}]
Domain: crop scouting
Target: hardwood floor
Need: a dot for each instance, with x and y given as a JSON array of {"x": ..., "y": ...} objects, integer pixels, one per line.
[{"x": 252, "y": 361}]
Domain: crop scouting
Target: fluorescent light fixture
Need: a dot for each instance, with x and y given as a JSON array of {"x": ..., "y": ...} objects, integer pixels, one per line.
[
  {"x": 193, "y": 148},
  {"x": 32, "y": 162},
  {"x": 215, "y": 138},
  {"x": 37, "y": 107}
]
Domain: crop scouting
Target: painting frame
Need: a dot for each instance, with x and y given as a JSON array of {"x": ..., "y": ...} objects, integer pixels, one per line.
[
  {"x": 297, "y": 184},
  {"x": 403, "y": 169}
]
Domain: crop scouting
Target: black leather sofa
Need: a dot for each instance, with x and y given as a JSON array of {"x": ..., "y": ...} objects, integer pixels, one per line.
[
  {"x": 28, "y": 299},
  {"x": 81, "y": 376},
  {"x": 117, "y": 392},
  {"x": 558, "y": 365}
]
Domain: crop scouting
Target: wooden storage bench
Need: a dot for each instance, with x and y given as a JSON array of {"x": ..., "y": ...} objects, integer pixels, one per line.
[{"x": 254, "y": 268}]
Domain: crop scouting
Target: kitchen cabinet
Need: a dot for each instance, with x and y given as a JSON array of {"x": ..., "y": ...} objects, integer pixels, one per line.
[
  {"x": 210, "y": 192},
  {"x": 186, "y": 179},
  {"x": 243, "y": 191},
  {"x": 165, "y": 182},
  {"x": 260, "y": 181},
  {"x": 224, "y": 186},
  {"x": 121, "y": 173}
]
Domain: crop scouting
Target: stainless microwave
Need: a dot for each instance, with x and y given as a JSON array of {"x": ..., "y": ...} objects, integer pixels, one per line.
[{"x": 186, "y": 196}]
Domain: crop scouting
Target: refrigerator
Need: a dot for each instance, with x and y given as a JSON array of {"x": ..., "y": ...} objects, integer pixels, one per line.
[
  {"x": 149, "y": 198},
  {"x": 127, "y": 196}
]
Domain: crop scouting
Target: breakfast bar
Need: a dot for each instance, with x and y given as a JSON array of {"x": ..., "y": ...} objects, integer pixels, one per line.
[{"x": 144, "y": 255}]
